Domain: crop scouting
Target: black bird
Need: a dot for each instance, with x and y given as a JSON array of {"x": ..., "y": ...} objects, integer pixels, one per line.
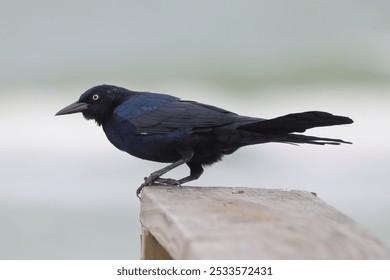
[{"x": 164, "y": 128}]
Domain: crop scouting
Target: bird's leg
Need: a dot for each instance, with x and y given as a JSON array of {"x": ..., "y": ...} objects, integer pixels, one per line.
[
  {"x": 155, "y": 176},
  {"x": 196, "y": 171}
]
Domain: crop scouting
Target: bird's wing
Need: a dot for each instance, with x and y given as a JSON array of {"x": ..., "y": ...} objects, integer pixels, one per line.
[{"x": 185, "y": 115}]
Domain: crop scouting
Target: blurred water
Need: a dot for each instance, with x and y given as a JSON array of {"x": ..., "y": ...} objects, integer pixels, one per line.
[{"x": 67, "y": 193}]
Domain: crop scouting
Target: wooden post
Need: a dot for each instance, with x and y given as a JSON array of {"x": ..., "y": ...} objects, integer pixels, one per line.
[
  {"x": 249, "y": 223},
  {"x": 151, "y": 248}
]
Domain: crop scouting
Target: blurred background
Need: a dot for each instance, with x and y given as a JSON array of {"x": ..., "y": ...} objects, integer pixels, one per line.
[{"x": 67, "y": 193}]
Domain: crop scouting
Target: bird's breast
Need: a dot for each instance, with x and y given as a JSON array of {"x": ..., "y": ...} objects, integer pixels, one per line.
[{"x": 154, "y": 147}]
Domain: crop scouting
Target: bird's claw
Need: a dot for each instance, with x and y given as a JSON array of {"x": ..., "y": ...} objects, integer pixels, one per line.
[
  {"x": 138, "y": 192},
  {"x": 149, "y": 181}
]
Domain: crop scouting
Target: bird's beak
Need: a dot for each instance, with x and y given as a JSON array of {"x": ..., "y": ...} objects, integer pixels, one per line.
[{"x": 76, "y": 107}]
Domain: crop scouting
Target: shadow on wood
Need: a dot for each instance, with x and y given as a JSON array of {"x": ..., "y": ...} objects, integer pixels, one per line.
[
  {"x": 152, "y": 249},
  {"x": 249, "y": 223}
]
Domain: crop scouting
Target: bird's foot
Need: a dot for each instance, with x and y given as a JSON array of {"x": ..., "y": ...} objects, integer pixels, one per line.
[
  {"x": 138, "y": 192},
  {"x": 149, "y": 181},
  {"x": 168, "y": 181}
]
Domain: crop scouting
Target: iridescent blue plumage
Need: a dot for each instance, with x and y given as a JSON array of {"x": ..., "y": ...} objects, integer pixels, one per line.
[{"x": 163, "y": 128}]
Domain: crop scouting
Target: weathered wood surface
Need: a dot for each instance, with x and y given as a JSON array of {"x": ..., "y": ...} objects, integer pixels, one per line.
[
  {"x": 249, "y": 223},
  {"x": 151, "y": 248}
]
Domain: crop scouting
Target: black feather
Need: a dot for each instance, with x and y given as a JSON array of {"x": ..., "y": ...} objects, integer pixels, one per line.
[{"x": 163, "y": 128}]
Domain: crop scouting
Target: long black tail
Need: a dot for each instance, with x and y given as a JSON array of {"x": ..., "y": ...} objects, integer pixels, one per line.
[{"x": 282, "y": 129}]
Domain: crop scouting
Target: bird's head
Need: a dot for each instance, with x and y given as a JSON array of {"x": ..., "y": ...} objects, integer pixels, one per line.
[{"x": 98, "y": 103}]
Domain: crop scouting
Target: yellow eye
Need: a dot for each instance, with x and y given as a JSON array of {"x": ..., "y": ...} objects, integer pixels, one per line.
[{"x": 95, "y": 97}]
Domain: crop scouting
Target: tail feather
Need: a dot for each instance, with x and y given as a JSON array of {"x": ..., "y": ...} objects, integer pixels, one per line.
[
  {"x": 282, "y": 129},
  {"x": 306, "y": 139},
  {"x": 297, "y": 122}
]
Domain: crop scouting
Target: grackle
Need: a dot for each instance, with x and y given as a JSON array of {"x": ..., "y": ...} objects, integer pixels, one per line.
[{"x": 164, "y": 128}]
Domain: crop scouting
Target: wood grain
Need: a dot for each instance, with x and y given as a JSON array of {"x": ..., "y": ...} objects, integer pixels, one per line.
[{"x": 252, "y": 223}]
